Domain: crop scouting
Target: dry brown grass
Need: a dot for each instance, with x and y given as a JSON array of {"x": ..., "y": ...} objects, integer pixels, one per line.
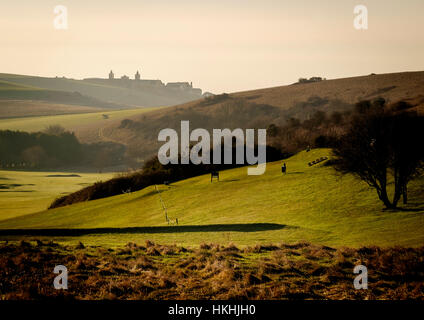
[{"x": 212, "y": 271}]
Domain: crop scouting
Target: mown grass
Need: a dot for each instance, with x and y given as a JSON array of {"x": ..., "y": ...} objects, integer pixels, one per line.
[
  {"x": 28, "y": 192},
  {"x": 309, "y": 203}
]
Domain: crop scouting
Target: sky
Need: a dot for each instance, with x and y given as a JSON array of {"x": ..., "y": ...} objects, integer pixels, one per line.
[{"x": 219, "y": 45}]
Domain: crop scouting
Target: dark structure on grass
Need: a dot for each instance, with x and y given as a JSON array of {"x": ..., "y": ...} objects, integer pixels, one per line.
[{"x": 214, "y": 174}]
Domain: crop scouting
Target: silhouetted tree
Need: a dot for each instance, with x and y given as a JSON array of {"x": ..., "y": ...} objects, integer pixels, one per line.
[
  {"x": 54, "y": 130},
  {"x": 366, "y": 106},
  {"x": 272, "y": 130},
  {"x": 336, "y": 117},
  {"x": 379, "y": 144},
  {"x": 317, "y": 119}
]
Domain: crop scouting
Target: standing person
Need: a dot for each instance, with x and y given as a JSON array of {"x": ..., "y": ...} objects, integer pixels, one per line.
[{"x": 284, "y": 168}]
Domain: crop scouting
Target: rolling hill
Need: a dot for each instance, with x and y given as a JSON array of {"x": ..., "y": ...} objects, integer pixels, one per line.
[
  {"x": 391, "y": 86},
  {"x": 115, "y": 94},
  {"x": 18, "y": 109},
  {"x": 309, "y": 203},
  {"x": 86, "y": 124},
  {"x": 18, "y": 100},
  {"x": 15, "y": 91},
  {"x": 260, "y": 108}
]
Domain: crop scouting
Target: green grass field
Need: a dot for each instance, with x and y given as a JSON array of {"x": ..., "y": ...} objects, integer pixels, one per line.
[
  {"x": 28, "y": 192},
  {"x": 309, "y": 203},
  {"x": 69, "y": 121}
]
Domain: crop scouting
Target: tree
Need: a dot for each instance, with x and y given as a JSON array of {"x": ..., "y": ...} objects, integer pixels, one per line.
[
  {"x": 336, "y": 117},
  {"x": 272, "y": 130},
  {"x": 381, "y": 145},
  {"x": 366, "y": 106},
  {"x": 35, "y": 156},
  {"x": 54, "y": 130}
]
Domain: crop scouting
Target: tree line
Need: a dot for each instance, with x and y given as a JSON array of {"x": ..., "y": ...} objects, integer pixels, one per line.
[{"x": 54, "y": 148}]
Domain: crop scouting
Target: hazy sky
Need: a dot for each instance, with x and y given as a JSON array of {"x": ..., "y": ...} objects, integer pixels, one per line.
[{"x": 220, "y": 45}]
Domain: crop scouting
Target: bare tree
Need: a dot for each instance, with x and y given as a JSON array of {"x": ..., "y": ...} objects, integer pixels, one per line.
[{"x": 380, "y": 145}]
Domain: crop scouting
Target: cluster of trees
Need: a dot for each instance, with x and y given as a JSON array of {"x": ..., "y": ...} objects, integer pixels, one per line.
[
  {"x": 320, "y": 130},
  {"x": 38, "y": 149},
  {"x": 54, "y": 148}
]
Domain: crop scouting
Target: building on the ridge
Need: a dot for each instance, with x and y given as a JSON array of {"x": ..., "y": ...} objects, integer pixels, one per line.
[
  {"x": 178, "y": 88},
  {"x": 207, "y": 94},
  {"x": 179, "y": 85},
  {"x": 184, "y": 86}
]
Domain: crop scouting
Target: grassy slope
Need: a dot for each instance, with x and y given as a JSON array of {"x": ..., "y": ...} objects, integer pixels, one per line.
[
  {"x": 311, "y": 203},
  {"x": 149, "y": 97},
  {"x": 10, "y": 90},
  {"x": 27, "y": 192},
  {"x": 10, "y": 109},
  {"x": 23, "y": 100},
  {"x": 392, "y": 86},
  {"x": 16, "y": 103},
  {"x": 10, "y": 86},
  {"x": 73, "y": 122}
]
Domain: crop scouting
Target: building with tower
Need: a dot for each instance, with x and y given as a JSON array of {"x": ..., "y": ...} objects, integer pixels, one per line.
[{"x": 171, "y": 88}]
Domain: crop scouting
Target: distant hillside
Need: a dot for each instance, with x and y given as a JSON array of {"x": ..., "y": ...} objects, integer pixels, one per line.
[
  {"x": 33, "y": 108},
  {"x": 113, "y": 92},
  {"x": 260, "y": 108},
  {"x": 14, "y": 91},
  {"x": 391, "y": 86},
  {"x": 18, "y": 100}
]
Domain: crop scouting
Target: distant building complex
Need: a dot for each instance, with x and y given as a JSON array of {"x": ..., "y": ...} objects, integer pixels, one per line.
[
  {"x": 140, "y": 84},
  {"x": 312, "y": 79}
]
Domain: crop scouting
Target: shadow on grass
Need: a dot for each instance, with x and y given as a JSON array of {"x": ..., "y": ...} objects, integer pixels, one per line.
[
  {"x": 63, "y": 176},
  {"x": 17, "y": 191},
  {"x": 410, "y": 207},
  {"x": 14, "y": 185},
  {"x": 9, "y": 186},
  {"x": 247, "y": 227}
]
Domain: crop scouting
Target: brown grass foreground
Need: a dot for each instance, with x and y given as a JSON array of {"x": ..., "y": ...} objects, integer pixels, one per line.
[{"x": 152, "y": 271}]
